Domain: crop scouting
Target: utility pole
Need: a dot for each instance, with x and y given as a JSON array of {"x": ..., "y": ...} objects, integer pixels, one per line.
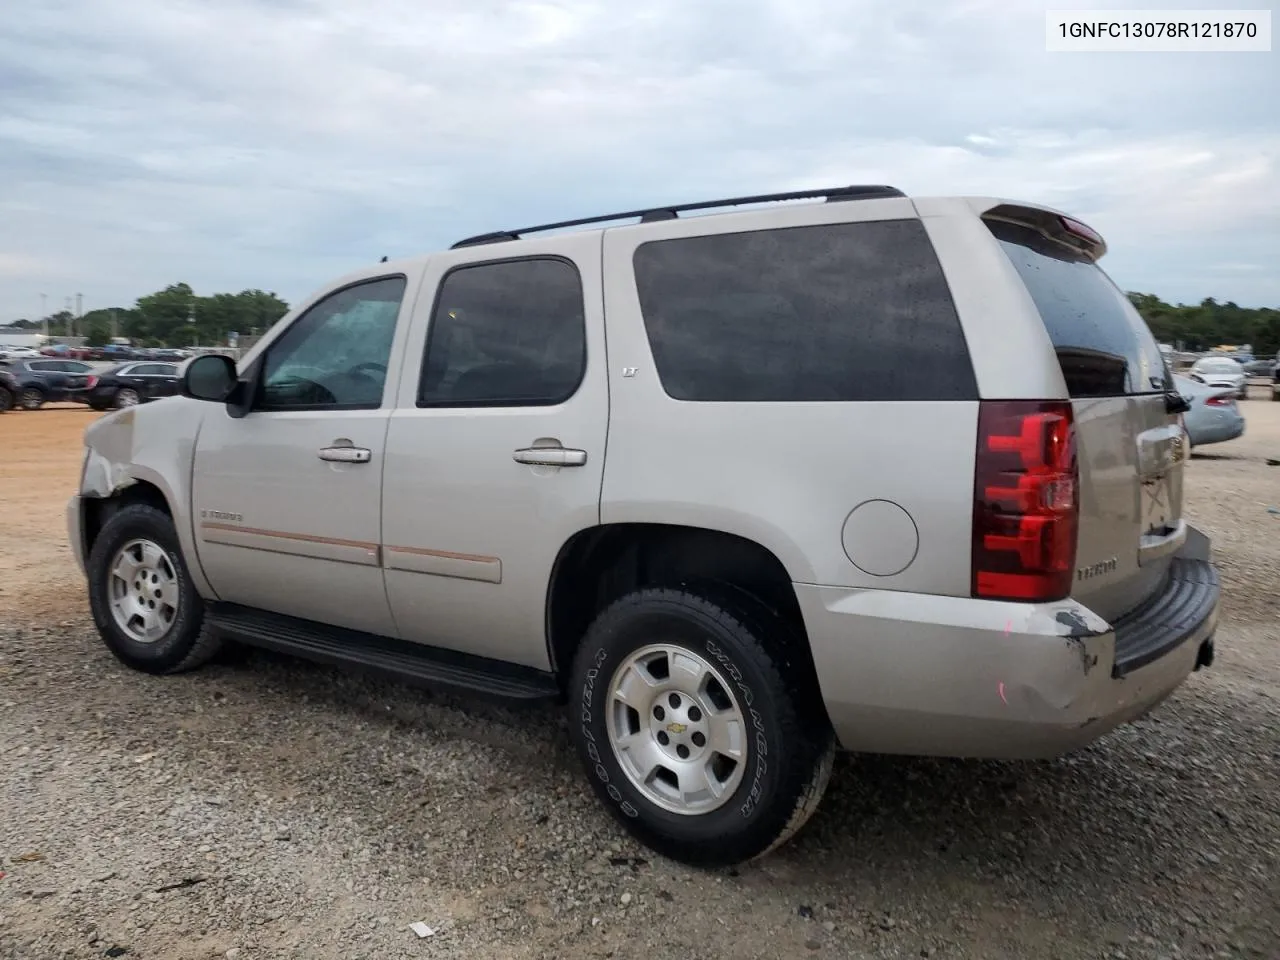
[
  {"x": 69, "y": 326},
  {"x": 44, "y": 315},
  {"x": 79, "y": 311}
]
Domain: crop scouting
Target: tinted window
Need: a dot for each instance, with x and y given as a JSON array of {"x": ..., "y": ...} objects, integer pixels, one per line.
[
  {"x": 506, "y": 334},
  {"x": 1104, "y": 346},
  {"x": 844, "y": 312},
  {"x": 335, "y": 354}
]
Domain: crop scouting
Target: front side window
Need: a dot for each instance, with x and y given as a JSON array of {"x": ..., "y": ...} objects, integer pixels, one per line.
[
  {"x": 509, "y": 333},
  {"x": 336, "y": 354}
]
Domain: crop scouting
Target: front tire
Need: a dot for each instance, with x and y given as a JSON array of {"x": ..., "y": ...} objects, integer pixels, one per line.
[
  {"x": 7, "y": 399},
  {"x": 698, "y": 729},
  {"x": 144, "y": 604},
  {"x": 32, "y": 398}
]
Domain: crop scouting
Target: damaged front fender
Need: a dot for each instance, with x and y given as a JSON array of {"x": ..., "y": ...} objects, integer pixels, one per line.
[{"x": 153, "y": 445}]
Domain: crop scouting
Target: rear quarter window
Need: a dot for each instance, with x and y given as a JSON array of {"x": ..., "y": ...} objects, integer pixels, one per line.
[
  {"x": 1104, "y": 347},
  {"x": 839, "y": 312}
]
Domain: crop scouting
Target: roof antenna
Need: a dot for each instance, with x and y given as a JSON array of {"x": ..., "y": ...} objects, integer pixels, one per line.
[{"x": 383, "y": 260}]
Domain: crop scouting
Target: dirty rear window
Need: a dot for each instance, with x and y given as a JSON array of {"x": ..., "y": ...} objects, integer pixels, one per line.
[{"x": 1104, "y": 346}]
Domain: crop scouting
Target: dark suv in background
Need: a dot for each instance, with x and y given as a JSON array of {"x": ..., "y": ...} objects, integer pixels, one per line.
[{"x": 46, "y": 380}]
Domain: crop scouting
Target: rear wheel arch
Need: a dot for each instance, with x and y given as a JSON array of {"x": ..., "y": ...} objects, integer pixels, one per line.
[{"x": 599, "y": 565}]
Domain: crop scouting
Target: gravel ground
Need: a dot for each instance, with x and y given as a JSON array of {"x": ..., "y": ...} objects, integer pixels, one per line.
[{"x": 265, "y": 807}]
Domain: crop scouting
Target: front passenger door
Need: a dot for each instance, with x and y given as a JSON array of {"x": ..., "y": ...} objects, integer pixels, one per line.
[{"x": 287, "y": 499}]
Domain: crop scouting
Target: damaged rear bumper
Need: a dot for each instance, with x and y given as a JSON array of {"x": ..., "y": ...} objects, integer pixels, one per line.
[{"x": 953, "y": 676}]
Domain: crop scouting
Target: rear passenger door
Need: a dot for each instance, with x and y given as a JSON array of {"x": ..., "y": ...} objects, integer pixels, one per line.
[{"x": 496, "y": 448}]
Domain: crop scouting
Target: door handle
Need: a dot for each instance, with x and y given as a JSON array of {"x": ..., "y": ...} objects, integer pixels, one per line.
[
  {"x": 551, "y": 456},
  {"x": 346, "y": 454}
]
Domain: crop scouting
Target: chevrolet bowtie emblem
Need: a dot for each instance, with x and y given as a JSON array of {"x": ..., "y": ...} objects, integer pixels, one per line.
[{"x": 676, "y": 728}]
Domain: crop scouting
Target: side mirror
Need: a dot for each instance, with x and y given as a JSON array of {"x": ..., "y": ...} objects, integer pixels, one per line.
[{"x": 211, "y": 377}]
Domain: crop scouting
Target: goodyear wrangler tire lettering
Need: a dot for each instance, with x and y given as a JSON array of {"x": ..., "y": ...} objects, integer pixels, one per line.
[{"x": 787, "y": 752}]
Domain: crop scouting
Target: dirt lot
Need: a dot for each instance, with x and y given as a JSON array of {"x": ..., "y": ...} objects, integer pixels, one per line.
[{"x": 270, "y": 808}]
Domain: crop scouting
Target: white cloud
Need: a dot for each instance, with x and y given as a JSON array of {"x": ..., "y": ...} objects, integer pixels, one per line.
[{"x": 275, "y": 142}]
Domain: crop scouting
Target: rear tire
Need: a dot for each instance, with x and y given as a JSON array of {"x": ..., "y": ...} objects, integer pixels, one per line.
[
  {"x": 126, "y": 397},
  {"x": 698, "y": 730},
  {"x": 144, "y": 604},
  {"x": 32, "y": 398},
  {"x": 7, "y": 399}
]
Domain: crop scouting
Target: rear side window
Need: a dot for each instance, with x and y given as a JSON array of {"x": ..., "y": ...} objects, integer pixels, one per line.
[
  {"x": 856, "y": 311},
  {"x": 1104, "y": 346}
]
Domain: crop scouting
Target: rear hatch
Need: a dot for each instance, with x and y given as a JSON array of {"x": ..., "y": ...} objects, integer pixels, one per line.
[{"x": 1129, "y": 445}]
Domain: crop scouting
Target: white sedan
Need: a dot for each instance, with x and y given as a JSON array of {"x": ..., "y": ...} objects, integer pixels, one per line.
[
  {"x": 18, "y": 353},
  {"x": 1221, "y": 372}
]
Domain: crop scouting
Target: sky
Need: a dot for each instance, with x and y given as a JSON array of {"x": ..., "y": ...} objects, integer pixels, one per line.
[{"x": 277, "y": 144}]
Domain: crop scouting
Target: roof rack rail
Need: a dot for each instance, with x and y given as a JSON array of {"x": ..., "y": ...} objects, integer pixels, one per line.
[{"x": 652, "y": 214}]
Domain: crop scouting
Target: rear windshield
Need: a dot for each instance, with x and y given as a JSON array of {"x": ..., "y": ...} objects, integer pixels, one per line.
[{"x": 1104, "y": 346}]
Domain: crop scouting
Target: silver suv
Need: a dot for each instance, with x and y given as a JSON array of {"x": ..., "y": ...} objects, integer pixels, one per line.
[{"x": 875, "y": 473}]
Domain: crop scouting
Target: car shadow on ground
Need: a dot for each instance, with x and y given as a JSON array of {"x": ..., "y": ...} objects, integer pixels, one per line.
[{"x": 890, "y": 821}]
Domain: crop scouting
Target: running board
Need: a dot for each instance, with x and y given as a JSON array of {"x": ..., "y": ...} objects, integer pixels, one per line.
[{"x": 413, "y": 663}]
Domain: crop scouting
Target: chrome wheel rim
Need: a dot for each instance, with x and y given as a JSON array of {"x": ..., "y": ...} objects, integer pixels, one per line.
[
  {"x": 676, "y": 729},
  {"x": 31, "y": 398},
  {"x": 126, "y": 398},
  {"x": 143, "y": 591}
]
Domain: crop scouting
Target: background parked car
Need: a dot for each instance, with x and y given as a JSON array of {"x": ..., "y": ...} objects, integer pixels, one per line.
[
  {"x": 46, "y": 380},
  {"x": 1221, "y": 372},
  {"x": 64, "y": 351},
  {"x": 133, "y": 383},
  {"x": 17, "y": 353},
  {"x": 113, "y": 351},
  {"x": 169, "y": 354},
  {"x": 8, "y": 391},
  {"x": 1260, "y": 368},
  {"x": 1213, "y": 416}
]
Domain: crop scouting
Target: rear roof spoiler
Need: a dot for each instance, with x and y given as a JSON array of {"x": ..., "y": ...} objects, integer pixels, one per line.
[{"x": 1056, "y": 226}]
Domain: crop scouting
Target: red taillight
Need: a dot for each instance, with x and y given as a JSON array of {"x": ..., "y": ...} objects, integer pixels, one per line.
[
  {"x": 90, "y": 382},
  {"x": 1026, "y": 503},
  {"x": 1219, "y": 401}
]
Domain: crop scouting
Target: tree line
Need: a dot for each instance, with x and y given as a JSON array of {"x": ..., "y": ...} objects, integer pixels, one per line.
[
  {"x": 176, "y": 317},
  {"x": 1209, "y": 324},
  {"x": 172, "y": 317}
]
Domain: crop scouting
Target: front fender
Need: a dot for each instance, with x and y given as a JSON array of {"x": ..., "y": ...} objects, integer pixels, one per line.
[{"x": 152, "y": 444}]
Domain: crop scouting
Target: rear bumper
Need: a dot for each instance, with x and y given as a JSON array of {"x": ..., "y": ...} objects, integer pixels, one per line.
[{"x": 953, "y": 676}]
